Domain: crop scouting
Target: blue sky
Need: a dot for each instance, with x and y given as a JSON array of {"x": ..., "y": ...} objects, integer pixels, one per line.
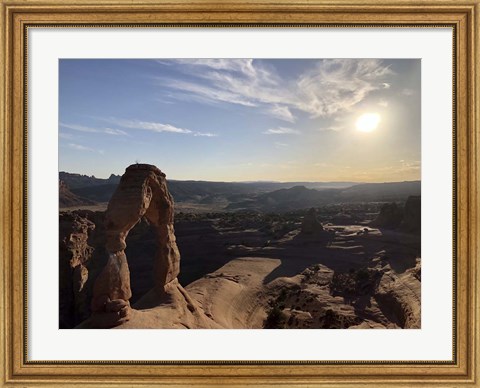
[{"x": 241, "y": 119}]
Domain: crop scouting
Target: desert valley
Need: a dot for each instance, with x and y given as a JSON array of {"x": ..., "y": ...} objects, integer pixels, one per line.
[{"x": 143, "y": 251}]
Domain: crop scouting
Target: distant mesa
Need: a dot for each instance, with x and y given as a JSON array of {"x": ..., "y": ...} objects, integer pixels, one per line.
[
  {"x": 69, "y": 199},
  {"x": 75, "y": 181}
]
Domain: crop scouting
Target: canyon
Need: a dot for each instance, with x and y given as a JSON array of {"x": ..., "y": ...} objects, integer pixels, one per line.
[{"x": 147, "y": 261}]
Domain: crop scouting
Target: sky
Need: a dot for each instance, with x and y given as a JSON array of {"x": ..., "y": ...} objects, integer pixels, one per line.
[{"x": 242, "y": 119}]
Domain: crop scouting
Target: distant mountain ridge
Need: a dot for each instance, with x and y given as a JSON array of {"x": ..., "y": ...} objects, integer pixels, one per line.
[
  {"x": 75, "y": 181},
  {"x": 300, "y": 197},
  {"x": 101, "y": 190},
  {"x": 261, "y": 196},
  {"x": 69, "y": 199}
]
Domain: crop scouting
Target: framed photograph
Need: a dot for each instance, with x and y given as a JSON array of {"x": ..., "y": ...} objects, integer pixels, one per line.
[{"x": 239, "y": 194}]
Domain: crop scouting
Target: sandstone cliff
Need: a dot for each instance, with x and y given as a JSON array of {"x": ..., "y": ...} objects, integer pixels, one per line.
[{"x": 75, "y": 253}]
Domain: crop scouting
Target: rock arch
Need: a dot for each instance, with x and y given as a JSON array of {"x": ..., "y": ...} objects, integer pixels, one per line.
[{"x": 142, "y": 192}]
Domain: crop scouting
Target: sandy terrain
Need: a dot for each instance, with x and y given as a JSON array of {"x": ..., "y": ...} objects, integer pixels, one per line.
[
  {"x": 349, "y": 280},
  {"x": 234, "y": 296}
]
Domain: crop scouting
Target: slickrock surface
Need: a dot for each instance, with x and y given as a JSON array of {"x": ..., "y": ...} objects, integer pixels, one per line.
[
  {"x": 172, "y": 308},
  {"x": 234, "y": 296}
]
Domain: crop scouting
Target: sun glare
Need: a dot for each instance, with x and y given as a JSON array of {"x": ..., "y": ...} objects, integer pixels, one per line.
[{"x": 368, "y": 122}]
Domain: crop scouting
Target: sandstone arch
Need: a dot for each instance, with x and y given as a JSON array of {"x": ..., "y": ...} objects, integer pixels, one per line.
[{"x": 142, "y": 192}]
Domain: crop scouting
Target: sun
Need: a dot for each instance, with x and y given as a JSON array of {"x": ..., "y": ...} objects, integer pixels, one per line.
[{"x": 368, "y": 122}]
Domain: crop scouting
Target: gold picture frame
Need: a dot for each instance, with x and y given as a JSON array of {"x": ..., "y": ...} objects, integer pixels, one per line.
[{"x": 19, "y": 15}]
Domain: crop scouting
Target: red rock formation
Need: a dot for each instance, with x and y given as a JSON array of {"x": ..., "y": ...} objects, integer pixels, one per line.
[
  {"x": 75, "y": 253},
  {"x": 142, "y": 192}
]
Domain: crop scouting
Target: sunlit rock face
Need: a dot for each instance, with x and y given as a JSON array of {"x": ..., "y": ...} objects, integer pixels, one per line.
[{"x": 142, "y": 193}]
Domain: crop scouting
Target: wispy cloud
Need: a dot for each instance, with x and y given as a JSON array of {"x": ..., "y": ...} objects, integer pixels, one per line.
[
  {"x": 333, "y": 128},
  {"x": 244, "y": 66},
  {"x": 79, "y": 147},
  {"x": 337, "y": 85},
  {"x": 403, "y": 167},
  {"x": 83, "y": 128},
  {"x": 281, "y": 131},
  {"x": 63, "y": 135},
  {"x": 408, "y": 92},
  {"x": 112, "y": 131},
  {"x": 205, "y": 134},
  {"x": 80, "y": 128},
  {"x": 410, "y": 165},
  {"x": 282, "y": 113},
  {"x": 148, "y": 126},
  {"x": 156, "y": 127},
  {"x": 332, "y": 86},
  {"x": 206, "y": 93}
]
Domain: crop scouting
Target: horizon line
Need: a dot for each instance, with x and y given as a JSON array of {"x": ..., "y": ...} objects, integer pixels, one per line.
[{"x": 251, "y": 181}]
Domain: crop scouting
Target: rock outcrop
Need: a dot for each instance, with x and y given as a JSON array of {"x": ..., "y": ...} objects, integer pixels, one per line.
[
  {"x": 142, "y": 193},
  {"x": 399, "y": 298},
  {"x": 311, "y": 224},
  {"x": 390, "y": 216},
  {"x": 75, "y": 253},
  {"x": 412, "y": 217},
  {"x": 407, "y": 218}
]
